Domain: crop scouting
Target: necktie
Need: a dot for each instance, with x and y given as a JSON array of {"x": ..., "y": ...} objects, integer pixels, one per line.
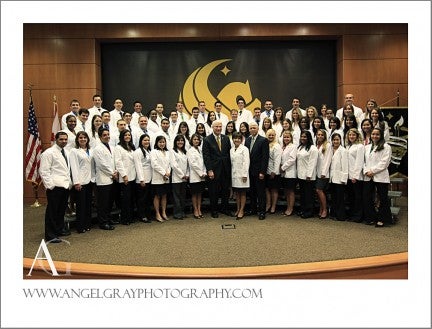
[
  {"x": 219, "y": 115},
  {"x": 196, "y": 121},
  {"x": 106, "y": 126},
  {"x": 64, "y": 155},
  {"x": 108, "y": 147},
  {"x": 181, "y": 114},
  {"x": 268, "y": 113},
  {"x": 130, "y": 129},
  {"x": 241, "y": 113},
  {"x": 203, "y": 115},
  {"x": 219, "y": 143},
  {"x": 83, "y": 126},
  {"x": 252, "y": 143}
]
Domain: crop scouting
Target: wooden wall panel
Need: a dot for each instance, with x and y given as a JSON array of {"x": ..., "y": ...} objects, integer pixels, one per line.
[
  {"x": 60, "y": 76},
  {"x": 382, "y": 93},
  {"x": 58, "y": 51},
  {"x": 375, "y": 46},
  {"x": 375, "y": 71}
]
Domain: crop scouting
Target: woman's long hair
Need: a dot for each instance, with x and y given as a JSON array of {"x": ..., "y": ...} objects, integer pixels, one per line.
[
  {"x": 142, "y": 147},
  {"x": 175, "y": 148},
  {"x": 309, "y": 141},
  {"x": 128, "y": 146}
]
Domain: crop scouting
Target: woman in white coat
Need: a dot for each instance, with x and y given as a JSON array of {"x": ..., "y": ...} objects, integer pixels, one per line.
[
  {"x": 179, "y": 176},
  {"x": 81, "y": 171},
  {"x": 338, "y": 177},
  {"x": 355, "y": 149},
  {"x": 197, "y": 174},
  {"x": 125, "y": 165},
  {"x": 143, "y": 178},
  {"x": 307, "y": 157},
  {"x": 376, "y": 176},
  {"x": 240, "y": 172},
  {"x": 161, "y": 173},
  {"x": 272, "y": 176},
  {"x": 325, "y": 154},
  {"x": 288, "y": 170}
]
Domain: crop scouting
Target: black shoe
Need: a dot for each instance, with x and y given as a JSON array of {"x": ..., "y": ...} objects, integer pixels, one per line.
[
  {"x": 305, "y": 216},
  {"x": 106, "y": 227},
  {"x": 55, "y": 240},
  {"x": 261, "y": 216},
  {"x": 370, "y": 222},
  {"x": 64, "y": 233},
  {"x": 214, "y": 214},
  {"x": 82, "y": 231},
  {"x": 114, "y": 222}
]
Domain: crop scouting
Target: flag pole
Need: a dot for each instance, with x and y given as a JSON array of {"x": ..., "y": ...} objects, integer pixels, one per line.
[{"x": 35, "y": 185}]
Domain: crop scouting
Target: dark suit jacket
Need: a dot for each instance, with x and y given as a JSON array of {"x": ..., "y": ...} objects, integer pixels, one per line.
[
  {"x": 259, "y": 156},
  {"x": 217, "y": 160}
]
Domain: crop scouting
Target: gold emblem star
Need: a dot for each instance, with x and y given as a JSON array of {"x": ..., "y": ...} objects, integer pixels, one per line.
[
  {"x": 389, "y": 116},
  {"x": 225, "y": 70}
]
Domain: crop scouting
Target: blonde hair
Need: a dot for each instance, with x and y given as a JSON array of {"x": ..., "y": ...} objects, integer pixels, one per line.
[
  {"x": 287, "y": 133},
  {"x": 358, "y": 140},
  {"x": 325, "y": 142},
  {"x": 275, "y": 141}
]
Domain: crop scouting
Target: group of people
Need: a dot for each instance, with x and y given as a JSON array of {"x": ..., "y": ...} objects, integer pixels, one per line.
[{"x": 138, "y": 160}]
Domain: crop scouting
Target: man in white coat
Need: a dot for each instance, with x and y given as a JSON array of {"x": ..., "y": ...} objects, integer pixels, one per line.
[
  {"x": 55, "y": 173},
  {"x": 349, "y": 100},
  {"x": 105, "y": 175}
]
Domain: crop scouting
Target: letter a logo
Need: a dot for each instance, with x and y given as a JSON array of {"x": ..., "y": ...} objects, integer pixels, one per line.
[{"x": 39, "y": 256}]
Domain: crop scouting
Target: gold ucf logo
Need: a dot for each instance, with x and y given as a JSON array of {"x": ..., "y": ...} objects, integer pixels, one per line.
[{"x": 196, "y": 89}]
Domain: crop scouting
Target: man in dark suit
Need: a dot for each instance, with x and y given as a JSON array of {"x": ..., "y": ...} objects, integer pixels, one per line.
[
  {"x": 216, "y": 154},
  {"x": 259, "y": 156}
]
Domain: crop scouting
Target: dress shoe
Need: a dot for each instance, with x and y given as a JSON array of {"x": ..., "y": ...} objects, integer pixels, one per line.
[
  {"x": 379, "y": 224},
  {"x": 165, "y": 218},
  {"x": 323, "y": 217},
  {"x": 55, "y": 240},
  {"x": 82, "y": 231},
  {"x": 196, "y": 216},
  {"x": 239, "y": 217},
  {"x": 64, "y": 233},
  {"x": 201, "y": 216},
  {"x": 214, "y": 214},
  {"x": 370, "y": 222},
  {"x": 114, "y": 222},
  {"x": 106, "y": 227},
  {"x": 287, "y": 215},
  {"x": 305, "y": 216},
  {"x": 261, "y": 216},
  {"x": 272, "y": 212},
  {"x": 160, "y": 220}
]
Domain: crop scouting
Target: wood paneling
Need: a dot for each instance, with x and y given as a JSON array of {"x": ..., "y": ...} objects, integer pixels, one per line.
[
  {"x": 375, "y": 71},
  {"x": 61, "y": 76},
  {"x": 375, "y": 46},
  {"x": 60, "y": 51},
  {"x": 382, "y": 93}
]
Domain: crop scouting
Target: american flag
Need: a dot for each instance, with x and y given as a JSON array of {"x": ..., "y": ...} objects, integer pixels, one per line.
[
  {"x": 56, "y": 125},
  {"x": 34, "y": 149}
]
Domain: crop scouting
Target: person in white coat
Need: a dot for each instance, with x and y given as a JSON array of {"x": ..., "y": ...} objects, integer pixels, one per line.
[
  {"x": 106, "y": 174},
  {"x": 96, "y": 124},
  {"x": 240, "y": 161},
  {"x": 289, "y": 170},
  {"x": 179, "y": 176},
  {"x": 307, "y": 157},
  {"x": 54, "y": 171},
  {"x": 355, "y": 149},
  {"x": 376, "y": 176},
  {"x": 325, "y": 154},
  {"x": 81, "y": 172},
  {"x": 272, "y": 176},
  {"x": 161, "y": 173},
  {"x": 124, "y": 163},
  {"x": 338, "y": 177},
  {"x": 197, "y": 174},
  {"x": 143, "y": 178}
]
